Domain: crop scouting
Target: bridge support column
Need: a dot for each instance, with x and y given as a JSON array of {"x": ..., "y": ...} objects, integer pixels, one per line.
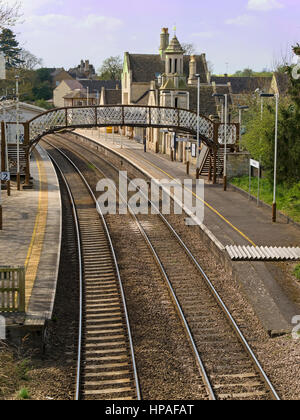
[
  {"x": 215, "y": 166},
  {"x": 210, "y": 168}
]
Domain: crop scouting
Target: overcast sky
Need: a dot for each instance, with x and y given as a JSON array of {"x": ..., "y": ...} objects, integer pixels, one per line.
[{"x": 242, "y": 33}]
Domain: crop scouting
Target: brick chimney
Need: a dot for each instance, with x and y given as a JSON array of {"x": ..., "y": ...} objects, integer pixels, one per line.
[
  {"x": 193, "y": 71},
  {"x": 164, "y": 41}
]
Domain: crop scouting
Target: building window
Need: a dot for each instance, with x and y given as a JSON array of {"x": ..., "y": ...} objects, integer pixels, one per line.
[
  {"x": 176, "y": 102},
  {"x": 170, "y": 65},
  {"x": 175, "y": 66}
]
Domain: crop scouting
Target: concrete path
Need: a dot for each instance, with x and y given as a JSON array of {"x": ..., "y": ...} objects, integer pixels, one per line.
[{"x": 31, "y": 236}]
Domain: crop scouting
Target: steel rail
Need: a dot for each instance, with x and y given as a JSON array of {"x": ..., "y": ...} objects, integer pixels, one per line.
[
  {"x": 136, "y": 379},
  {"x": 171, "y": 290},
  {"x": 173, "y": 295},
  {"x": 213, "y": 290},
  {"x": 80, "y": 263}
]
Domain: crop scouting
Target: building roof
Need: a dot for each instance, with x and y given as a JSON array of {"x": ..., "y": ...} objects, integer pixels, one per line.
[
  {"x": 174, "y": 47},
  {"x": 244, "y": 85},
  {"x": 73, "y": 84},
  {"x": 200, "y": 66},
  {"x": 76, "y": 94},
  {"x": 57, "y": 71},
  {"x": 97, "y": 85},
  {"x": 113, "y": 96},
  {"x": 146, "y": 67},
  {"x": 168, "y": 85},
  {"x": 207, "y": 101}
]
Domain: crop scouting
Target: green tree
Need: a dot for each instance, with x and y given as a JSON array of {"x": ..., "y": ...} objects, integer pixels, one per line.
[
  {"x": 111, "y": 69},
  {"x": 9, "y": 46},
  {"x": 260, "y": 136},
  {"x": 42, "y": 90},
  {"x": 245, "y": 73},
  {"x": 44, "y": 74}
]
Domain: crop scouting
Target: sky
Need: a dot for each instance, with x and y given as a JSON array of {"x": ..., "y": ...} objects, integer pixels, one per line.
[{"x": 234, "y": 34}]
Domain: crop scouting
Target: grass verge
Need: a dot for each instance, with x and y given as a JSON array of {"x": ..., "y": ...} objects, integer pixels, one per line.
[
  {"x": 288, "y": 198},
  {"x": 13, "y": 374},
  {"x": 297, "y": 271}
]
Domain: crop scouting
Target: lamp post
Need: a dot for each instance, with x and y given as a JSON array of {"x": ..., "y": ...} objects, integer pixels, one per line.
[
  {"x": 274, "y": 206},
  {"x": 97, "y": 96},
  {"x": 87, "y": 96},
  {"x": 241, "y": 109},
  {"x": 18, "y": 134},
  {"x": 225, "y": 96},
  {"x": 198, "y": 128}
]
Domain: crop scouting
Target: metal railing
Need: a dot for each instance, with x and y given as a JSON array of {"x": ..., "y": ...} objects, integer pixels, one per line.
[
  {"x": 12, "y": 289},
  {"x": 180, "y": 120}
]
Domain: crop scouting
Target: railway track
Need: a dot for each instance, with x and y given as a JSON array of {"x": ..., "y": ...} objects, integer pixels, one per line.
[
  {"x": 106, "y": 364},
  {"x": 228, "y": 366}
]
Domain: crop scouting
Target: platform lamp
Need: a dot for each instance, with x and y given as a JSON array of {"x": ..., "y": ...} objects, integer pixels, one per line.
[
  {"x": 198, "y": 126},
  {"x": 18, "y": 132},
  {"x": 225, "y": 96},
  {"x": 241, "y": 108},
  {"x": 274, "y": 206}
]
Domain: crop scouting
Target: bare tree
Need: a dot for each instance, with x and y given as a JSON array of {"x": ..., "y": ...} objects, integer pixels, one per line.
[
  {"x": 9, "y": 13},
  {"x": 29, "y": 60},
  {"x": 282, "y": 60},
  {"x": 189, "y": 49},
  {"x": 210, "y": 67}
]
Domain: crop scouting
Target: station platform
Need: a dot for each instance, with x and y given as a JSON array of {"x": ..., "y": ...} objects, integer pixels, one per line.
[
  {"x": 31, "y": 238},
  {"x": 230, "y": 218}
]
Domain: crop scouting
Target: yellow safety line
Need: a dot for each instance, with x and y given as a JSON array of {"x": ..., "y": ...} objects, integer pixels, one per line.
[
  {"x": 37, "y": 240},
  {"x": 199, "y": 198}
]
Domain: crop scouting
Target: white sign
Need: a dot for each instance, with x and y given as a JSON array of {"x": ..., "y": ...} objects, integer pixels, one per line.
[
  {"x": 2, "y": 328},
  {"x": 4, "y": 176},
  {"x": 194, "y": 150},
  {"x": 2, "y": 67},
  {"x": 254, "y": 163}
]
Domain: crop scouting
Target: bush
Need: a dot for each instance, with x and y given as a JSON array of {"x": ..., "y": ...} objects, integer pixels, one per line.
[
  {"x": 24, "y": 394},
  {"x": 259, "y": 140},
  {"x": 297, "y": 272}
]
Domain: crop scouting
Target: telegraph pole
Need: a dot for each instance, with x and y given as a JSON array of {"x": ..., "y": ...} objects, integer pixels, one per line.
[{"x": 18, "y": 135}]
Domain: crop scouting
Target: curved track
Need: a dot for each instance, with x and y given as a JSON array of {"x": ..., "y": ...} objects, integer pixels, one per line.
[
  {"x": 228, "y": 366},
  {"x": 106, "y": 364}
]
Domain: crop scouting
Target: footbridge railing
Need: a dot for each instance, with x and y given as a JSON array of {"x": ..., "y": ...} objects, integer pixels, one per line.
[{"x": 180, "y": 120}]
